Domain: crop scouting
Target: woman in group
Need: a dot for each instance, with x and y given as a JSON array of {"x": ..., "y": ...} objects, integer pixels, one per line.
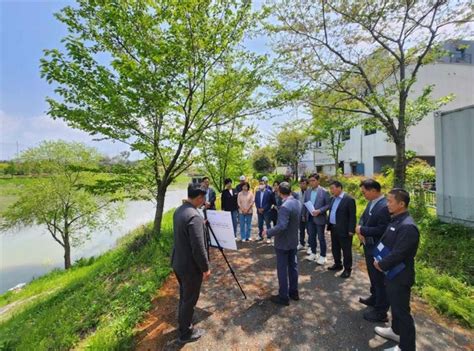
[
  {"x": 245, "y": 200},
  {"x": 276, "y": 203}
]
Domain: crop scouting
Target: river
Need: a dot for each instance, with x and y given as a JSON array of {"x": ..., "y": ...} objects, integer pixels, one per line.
[{"x": 31, "y": 251}]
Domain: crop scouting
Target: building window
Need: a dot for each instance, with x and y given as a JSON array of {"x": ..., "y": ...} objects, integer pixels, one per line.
[{"x": 346, "y": 134}]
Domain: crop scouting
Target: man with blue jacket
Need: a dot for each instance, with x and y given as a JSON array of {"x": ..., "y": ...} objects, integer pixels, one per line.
[
  {"x": 371, "y": 227},
  {"x": 286, "y": 241},
  {"x": 263, "y": 203}
]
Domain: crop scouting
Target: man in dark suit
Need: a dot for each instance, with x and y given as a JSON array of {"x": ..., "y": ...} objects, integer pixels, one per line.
[
  {"x": 341, "y": 223},
  {"x": 371, "y": 227},
  {"x": 286, "y": 241},
  {"x": 229, "y": 202},
  {"x": 402, "y": 238},
  {"x": 263, "y": 203},
  {"x": 210, "y": 194},
  {"x": 316, "y": 221},
  {"x": 189, "y": 259},
  {"x": 303, "y": 188}
]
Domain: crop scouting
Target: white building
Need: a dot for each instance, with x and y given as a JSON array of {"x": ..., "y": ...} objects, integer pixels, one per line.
[{"x": 366, "y": 153}]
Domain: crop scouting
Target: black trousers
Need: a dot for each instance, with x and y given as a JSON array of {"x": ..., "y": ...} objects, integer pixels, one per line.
[
  {"x": 342, "y": 243},
  {"x": 377, "y": 282},
  {"x": 302, "y": 233},
  {"x": 402, "y": 321},
  {"x": 189, "y": 290}
]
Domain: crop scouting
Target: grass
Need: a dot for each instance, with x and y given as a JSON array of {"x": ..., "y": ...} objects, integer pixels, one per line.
[
  {"x": 445, "y": 270},
  {"x": 96, "y": 304}
]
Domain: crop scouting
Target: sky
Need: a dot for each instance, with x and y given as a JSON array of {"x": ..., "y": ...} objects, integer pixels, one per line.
[{"x": 27, "y": 28}]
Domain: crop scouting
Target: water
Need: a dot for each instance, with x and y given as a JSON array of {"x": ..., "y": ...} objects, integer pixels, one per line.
[{"x": 31, "y": 251}]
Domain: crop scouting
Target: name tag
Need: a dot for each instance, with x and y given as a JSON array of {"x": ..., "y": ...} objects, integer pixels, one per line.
[{"x": 392, "y": 229}]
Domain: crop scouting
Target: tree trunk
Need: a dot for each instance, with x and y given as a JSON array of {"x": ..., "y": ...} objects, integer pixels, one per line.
[
  {"x": 400, "y": 164},
  {"x": 160, "y": 202},
  {"x": 67, "y": 253}
]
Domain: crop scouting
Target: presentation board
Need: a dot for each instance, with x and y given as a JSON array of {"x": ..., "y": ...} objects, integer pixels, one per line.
[{"x": 221, "y": 224}]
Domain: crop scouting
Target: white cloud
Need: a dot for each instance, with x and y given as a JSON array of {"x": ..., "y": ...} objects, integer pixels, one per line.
[{"x": 29, "y": 131}]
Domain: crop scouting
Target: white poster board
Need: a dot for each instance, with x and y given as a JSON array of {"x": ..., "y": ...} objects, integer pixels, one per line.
[{"x": 221, "y": 224}]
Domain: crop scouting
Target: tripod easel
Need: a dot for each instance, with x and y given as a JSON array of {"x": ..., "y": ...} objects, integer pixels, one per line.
[{"x": 221, "y": 249}]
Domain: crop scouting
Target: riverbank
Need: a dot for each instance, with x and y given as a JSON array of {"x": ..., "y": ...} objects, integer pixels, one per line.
[{"x": 94, "y": 305}]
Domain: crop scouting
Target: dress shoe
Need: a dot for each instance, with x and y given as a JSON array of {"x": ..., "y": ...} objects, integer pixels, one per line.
[
  {"x": 193, "y": 336},
  {"x": 279, "y": 301},
  {"x": 295, "y": 297},
  {"x": 335, "y": 267},
  {"x": 346, "y": 274},
  {"x": 376, "y": 316},
  {"x": 369, "y": 301},
  {"x": 387, "y": 333}
]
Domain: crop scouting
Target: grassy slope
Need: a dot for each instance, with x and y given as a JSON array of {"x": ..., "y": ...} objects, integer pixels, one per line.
[{"x": 93, "y": 306}]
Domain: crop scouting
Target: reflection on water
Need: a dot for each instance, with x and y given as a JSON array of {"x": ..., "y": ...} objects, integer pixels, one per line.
[{"x": 31, "y": 252}]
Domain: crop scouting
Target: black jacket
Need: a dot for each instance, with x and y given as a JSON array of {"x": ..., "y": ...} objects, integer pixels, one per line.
[
  {"x": 402, "y": 238},
  {"x": 374, "y": 223},
  {"x": 189, "y": 251},
  {"x": 228, "y": 201},
  {"x": 345, "y": 216}
]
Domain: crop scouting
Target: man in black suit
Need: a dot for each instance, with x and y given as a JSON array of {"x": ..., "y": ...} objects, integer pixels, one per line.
[
  {"x": 401, "y": 238},
  {"x": 371, "y": 227},
  {"x": 341, "y": 223},
  {"x": 189, "y": 260},
  {"x": 210, "y": 202},
  {"x": 229, "y": 202}
]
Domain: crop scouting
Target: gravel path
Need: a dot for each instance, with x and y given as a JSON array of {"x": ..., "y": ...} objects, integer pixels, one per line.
[{"x": 328, "y": 316}]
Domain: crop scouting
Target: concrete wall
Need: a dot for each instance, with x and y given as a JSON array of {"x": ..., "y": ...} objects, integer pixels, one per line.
[{"x": 455, "y": 165}]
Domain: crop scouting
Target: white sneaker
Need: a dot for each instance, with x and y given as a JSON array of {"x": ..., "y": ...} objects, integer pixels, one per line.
[
  {"x": 395, "y": 348},
  {"x": 387, "y": 333},
  {"x": 300, "y": 247},
  {"x": 309, "y": 252},
  {"x": 237, "y": 239},
  {"x": 312, "y": 257},
  {"x": 250, "y": 239},
  {"x": 269, "y": 241},
  {"x": 321, "y": 260}
]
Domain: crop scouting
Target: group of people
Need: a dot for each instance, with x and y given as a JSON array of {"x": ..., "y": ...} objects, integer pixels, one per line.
[{"x": 387, "y": 232}]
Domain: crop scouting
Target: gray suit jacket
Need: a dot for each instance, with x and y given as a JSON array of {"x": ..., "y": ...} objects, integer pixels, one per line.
[
  {"x": 322, "y": 203},
  {"x": 189, "y": 251},
  {"x": 288, "y": 224}
]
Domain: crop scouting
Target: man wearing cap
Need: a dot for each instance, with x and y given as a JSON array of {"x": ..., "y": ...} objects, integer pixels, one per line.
[
  {"x": 189, "y": 259},
  {"x": 242, "y": 180},
  {"x": 286, "y": 241}
]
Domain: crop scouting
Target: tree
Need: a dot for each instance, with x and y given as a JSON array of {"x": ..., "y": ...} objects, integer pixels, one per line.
[
  {"x": 223, "y": 151},
  {"x": 328, "y": 127},
  {"x": 291, "y": 144},
  {"x": 369, "y": 53},
  {"x": 155, "y": 75},
  {"x": 59, "y": 201},
  {"x": 263, "y": 160}
]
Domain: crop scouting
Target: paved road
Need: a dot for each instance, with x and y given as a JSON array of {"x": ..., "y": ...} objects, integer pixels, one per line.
[{"x": 328, "y": 317}]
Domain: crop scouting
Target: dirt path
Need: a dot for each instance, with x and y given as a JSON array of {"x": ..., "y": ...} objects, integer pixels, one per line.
[{"x": 328, "y": 316}]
